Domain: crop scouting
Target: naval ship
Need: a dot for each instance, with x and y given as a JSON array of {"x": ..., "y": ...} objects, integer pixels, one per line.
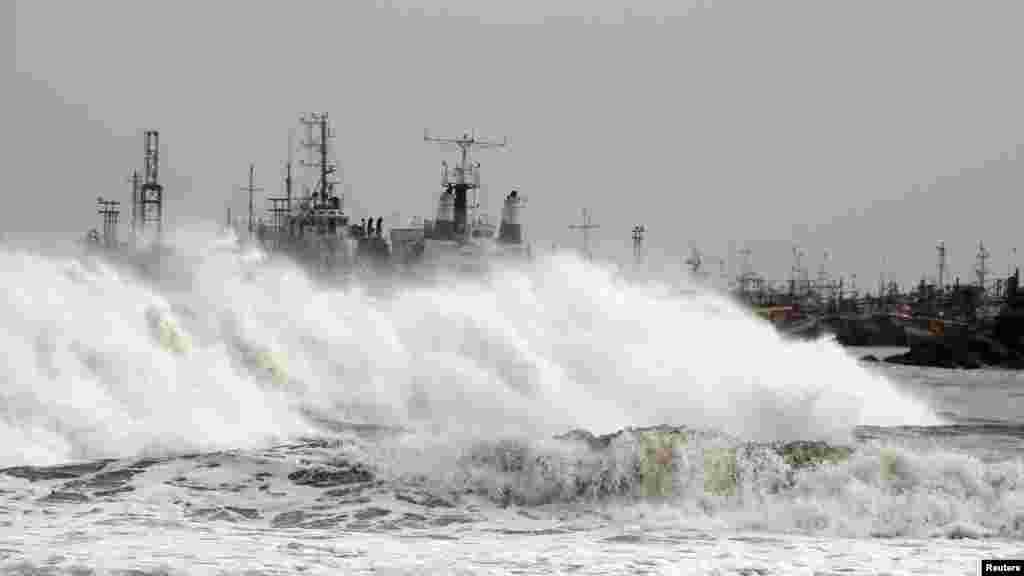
[
  {"x": 309, "y": 225},
  {"x": 316, "y": 232}
]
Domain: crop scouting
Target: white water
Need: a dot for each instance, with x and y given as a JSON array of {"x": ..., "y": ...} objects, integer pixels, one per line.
[
  {"x": 528, "y": 351},
  {"x": 537, "y": 350}
]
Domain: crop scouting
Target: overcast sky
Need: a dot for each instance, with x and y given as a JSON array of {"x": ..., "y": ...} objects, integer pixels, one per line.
[{"x": 870, "y": 129}]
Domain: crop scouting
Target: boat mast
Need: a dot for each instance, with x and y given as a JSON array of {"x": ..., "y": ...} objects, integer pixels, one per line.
[
  {"x": 694, "y": 262},
  {"x": 585, "y": 229},
  {"x": 638, "y": 243},
  {"x": 250, "y": 189},
  {"x": 318, "y": 148},
  {"x": 135, "y": 181},
  {"x": 110, "y": 210},
  {"x": 941, "y": 249},
  {"x": 982, "y": 269},
  {"x": 466, "y": 174},
  {"x": 151, "y": 196}
]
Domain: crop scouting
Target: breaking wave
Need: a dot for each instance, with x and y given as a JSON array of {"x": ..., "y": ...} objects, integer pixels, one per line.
[
  {"x": 230, "y": 351},
  {"x": 705, "y": 480}
]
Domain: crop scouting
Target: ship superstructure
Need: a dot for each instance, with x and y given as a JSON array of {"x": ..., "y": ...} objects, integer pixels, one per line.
[
  {"x": 313, "y": 229},
  {"x": 461, "y": 236},
  {"x": 308, "y": 223},
  {"x": 146, "y": 226}
]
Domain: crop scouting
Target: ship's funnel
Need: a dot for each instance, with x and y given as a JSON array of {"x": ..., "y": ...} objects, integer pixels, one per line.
[
  {"x": 445, "y": 226},
  {"x": 511, "y": 230},
  {"x": 461, "y": 207}
]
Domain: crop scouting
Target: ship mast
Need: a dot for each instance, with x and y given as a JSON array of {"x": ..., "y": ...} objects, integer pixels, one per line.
[
  {"x": 585, "y": 229},
  {"x": 318, "y": 147},
  {"x": 694, "y": 262},
  {"x": 464, "y": 177},
  {"x": 982, "y": 268},
  {"x": 796, "y": 286},
  {"x": 110, "y": 210},
  {"x": 638, "y": 243},
  {"x": 746, "y": 272},
  {"x": 151, "y": 195},
  {"x": 250, "y": 189},
  {"x": 135, "y": 181},
  {"x": 941, "y": 249},
  {"x": 281, "y": 207}
]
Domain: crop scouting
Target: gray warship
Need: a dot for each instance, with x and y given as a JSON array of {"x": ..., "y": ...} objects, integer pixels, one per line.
[{"x": 309, "y": 225}]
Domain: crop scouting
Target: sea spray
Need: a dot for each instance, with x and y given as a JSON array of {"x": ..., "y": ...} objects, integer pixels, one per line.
[{"x": 246, "y": 347}]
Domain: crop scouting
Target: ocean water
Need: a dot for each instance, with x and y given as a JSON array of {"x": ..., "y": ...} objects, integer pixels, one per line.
[{"x": 233, "y": 417}]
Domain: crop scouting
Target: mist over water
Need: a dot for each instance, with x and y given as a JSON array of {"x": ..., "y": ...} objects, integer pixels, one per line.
[{"x": 236, "y": 353}]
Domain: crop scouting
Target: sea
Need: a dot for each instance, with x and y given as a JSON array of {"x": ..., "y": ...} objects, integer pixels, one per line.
[{"x": 232, "y": 415}]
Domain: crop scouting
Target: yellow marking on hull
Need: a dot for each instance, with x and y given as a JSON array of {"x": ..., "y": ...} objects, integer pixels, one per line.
[{"x": 657, "y": 454}]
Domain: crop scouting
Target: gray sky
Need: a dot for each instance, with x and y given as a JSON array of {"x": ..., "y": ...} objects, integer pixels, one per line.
[{"x": 869, "y": 129}]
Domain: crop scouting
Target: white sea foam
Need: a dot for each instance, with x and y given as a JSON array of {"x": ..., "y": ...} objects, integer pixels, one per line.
[{"x": 226, "y": 351}]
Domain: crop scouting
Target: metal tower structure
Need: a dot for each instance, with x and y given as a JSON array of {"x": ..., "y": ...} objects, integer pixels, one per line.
[
  {"x": 136, "y": 181},
  {"x": 746, "y": 276},
  {"x": 823, "y": 279},
  {"x": 797, "y": 283},
  {"x": 316, "y": 144},
  {"x": 881, "y": 279},
  {"x": 251, "y": 188},
  {"x": 585, "y": 229},
  {"x": 281, "y": 206},
  {"x": 110, "y": 210},
  {"x": 981, "y": 270},
  {"x": 465, "y": 177},
  {"x": 151, "y": 195},
  {"x": 279, "y": 210},
  {"x": 638, "y": 243},
  {"x": 941, "y": 249}
]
